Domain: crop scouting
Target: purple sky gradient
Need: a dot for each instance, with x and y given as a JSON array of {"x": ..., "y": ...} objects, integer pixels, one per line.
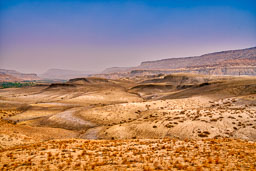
[{"x": 94, "y": 35}]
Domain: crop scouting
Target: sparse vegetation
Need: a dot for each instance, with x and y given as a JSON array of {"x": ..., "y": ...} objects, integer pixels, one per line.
[
  {"x": 168, "y": 154},
  {"x": 16, "y": 84}
]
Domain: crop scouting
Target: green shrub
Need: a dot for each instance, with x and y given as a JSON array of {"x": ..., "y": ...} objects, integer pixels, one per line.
[{"x": 15, "y": 84}]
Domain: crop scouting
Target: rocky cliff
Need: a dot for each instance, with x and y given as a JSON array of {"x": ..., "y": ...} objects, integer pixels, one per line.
[{"x": 232, "y": 62}]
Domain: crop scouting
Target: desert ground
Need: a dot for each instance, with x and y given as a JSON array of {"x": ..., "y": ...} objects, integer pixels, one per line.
[{"x": 159, "y": 122}]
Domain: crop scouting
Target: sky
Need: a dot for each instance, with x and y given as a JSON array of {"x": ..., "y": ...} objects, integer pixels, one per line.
[{"x": 91, "y": 35}]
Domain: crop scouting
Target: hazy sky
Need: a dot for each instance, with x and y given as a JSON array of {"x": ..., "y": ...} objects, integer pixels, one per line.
[{"x": 36, "y": 35}]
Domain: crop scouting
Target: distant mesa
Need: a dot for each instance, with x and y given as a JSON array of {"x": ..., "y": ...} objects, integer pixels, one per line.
[
  {"x": 64, "y": 74},
  {"x": 231, "y": 62},
  {"x": 13, "y": 76},
  {"x": 243, "y": 57}
]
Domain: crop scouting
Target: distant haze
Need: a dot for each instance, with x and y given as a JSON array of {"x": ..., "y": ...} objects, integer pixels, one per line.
[{"x": 93, "y": 35}]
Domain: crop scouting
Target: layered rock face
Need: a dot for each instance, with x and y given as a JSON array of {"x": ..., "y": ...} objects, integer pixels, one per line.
[
  {"x": 244, "y": 57},
  {"x": 233, "y": 62}
]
